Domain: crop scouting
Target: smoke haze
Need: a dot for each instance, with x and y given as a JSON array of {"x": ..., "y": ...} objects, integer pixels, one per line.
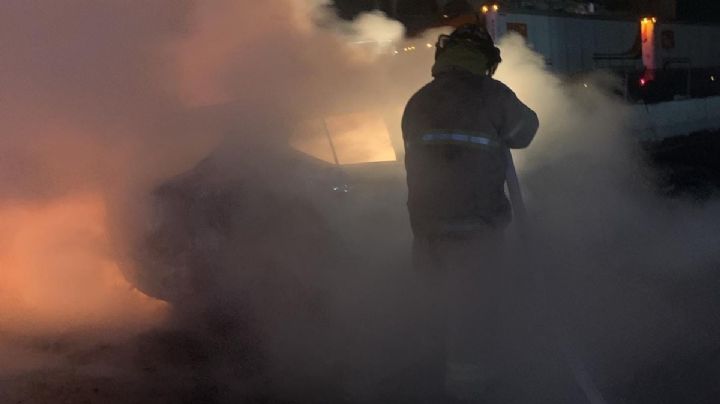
[{"x": 104, "y": 102}]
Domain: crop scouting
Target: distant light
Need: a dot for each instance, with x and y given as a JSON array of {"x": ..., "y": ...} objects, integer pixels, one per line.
[
  {"x": 496, "y": 7},
  {"x": 647, "y": 20},
  {"x": 395, "y": 52},
  {"x": 585, "y": 85},
  {"x": 643, "y": 82},
  {"x": 712, "y": 78},
  {"x": 485, "y": 9},
  {"x": 429, "y": 45},
  {"x": 445, "y": 16}
]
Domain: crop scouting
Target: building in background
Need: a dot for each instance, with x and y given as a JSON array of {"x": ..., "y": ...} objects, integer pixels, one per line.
[{"x": 418, "y": 10}]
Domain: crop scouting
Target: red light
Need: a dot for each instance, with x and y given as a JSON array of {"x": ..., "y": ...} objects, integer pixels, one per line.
[{"x": 643, "y": 82}]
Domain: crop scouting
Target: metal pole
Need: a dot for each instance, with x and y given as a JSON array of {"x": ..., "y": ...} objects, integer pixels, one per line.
[{"x": 626, "y": 84}]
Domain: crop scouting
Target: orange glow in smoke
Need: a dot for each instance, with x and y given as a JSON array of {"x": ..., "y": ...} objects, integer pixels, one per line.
[
  {"x": 355, "y": 138},
  {"x": 57, "y": 270}
]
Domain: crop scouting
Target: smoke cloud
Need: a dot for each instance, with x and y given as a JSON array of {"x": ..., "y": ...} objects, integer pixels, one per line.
[
  {"x": 105, "y": 103},
  {"x": 599, "y": 228}
]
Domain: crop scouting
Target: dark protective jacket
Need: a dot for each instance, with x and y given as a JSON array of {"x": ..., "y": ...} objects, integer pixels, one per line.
[{"x": 455, "y": 131}]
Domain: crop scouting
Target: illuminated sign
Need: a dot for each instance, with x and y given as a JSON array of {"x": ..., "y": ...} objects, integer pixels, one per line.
[{"x": 647, "y": 34}]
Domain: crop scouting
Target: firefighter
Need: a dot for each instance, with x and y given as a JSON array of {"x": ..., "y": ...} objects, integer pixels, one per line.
[{"x": 456, "y": 130}]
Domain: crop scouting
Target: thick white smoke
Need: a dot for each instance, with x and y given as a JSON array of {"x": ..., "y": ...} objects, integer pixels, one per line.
[
  {"x": 103, "y": 101},
  {"x": 599, "y": 226},
  {"x": 100, "y": 98}
]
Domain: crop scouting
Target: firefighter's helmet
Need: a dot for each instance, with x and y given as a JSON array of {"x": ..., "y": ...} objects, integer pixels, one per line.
[{"x": 477, "y": 36}]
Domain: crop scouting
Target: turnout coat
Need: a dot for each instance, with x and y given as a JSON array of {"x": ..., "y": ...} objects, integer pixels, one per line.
[{"x": 455, "y": 129}]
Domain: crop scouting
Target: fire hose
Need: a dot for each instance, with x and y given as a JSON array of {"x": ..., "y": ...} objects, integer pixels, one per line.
[{"x": 567, "y": 346}]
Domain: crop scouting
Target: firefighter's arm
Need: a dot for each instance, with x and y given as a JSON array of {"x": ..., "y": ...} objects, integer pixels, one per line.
[{"x": 519, "y": 123}]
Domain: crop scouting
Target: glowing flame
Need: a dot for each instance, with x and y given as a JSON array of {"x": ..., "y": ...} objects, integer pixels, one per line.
[{"x": 58, "y": 269}]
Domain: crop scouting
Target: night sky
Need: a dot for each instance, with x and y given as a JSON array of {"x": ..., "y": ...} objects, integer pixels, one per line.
[{"x": 698, "y": 10}]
